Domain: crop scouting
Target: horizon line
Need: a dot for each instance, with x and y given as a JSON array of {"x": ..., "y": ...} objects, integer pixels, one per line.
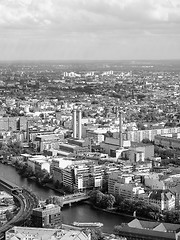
[{"x": 86, "y": 60}]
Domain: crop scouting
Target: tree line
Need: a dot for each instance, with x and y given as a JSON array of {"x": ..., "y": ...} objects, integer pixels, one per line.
[{"x": 133, "y": 207}]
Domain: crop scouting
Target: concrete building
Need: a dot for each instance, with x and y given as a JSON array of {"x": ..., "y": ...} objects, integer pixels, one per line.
[
  {"x": 166, "y": 141},
  {"x": 136, "y": 156},
  {"x": 77, "y": 123},
  {"x": 13, "y": 123},
  {"x": 111, "y": 146},
  {"x": 21, "y": 233},
  {"x": 95, "y": 136},
  {"x": 47, "y": 142},
  {"x": 38, "y": 163},
  {"x": 139, "y": 135},
  {"x": 147, "y": 149},
  {"x": 48, "y": 216},
  {"x": 115, "y": 177},
  {"x": 138, "y": 229},
  {"x": 153, "y": 181},
  {"x": 129, "y": 190}
]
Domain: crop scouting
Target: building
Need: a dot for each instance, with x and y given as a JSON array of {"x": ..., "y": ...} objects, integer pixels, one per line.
[
  {"x": 139, "y": 135},
  {"x": 47, "y": 216},
  {"x": 38, "y": 163},
  {"x": 128, "y": 191},
  {"x": 80, "y": 176},
  {"x": 111, "y": 145},
  {"x": 147, "y": 149},
  {"x": 165, "y": 199},
  {"x": 21, "y": 233},
  {"x": 167, "y": 141},
  {"x": 115, "y": 177},
  {"x": 153, "y": 181},
  {"x": 13, "y": 123},
  {"x": 47, "y": 142},
  {"x": 138, "y": 229}
]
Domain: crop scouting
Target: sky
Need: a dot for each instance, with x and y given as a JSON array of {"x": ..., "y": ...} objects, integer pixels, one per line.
[{"x": 89, "y": 29}]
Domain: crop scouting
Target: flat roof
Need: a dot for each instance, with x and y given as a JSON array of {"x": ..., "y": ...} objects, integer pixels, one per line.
[{"x": 68, "y": 145}]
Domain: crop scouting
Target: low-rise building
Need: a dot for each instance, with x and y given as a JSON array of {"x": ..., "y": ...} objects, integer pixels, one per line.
[
  {"x": 16, "y": 233},
  {"x": 138, "y": 229}
]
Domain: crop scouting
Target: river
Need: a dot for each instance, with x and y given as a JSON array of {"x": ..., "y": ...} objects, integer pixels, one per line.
[{"x": 79, "y": 212}]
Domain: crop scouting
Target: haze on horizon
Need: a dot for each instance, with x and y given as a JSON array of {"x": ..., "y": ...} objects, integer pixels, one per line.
[{"x": 89, "y": 29}]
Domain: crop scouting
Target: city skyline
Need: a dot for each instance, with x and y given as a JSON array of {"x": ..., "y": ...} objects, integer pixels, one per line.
[{"x": 89, "y": 30}]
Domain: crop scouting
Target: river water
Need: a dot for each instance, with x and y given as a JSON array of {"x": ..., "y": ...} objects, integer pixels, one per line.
[{"x": 79, "y": 212}]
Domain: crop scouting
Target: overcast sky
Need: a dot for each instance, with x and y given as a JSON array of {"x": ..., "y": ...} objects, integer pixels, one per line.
[{"x": 89, "y": 29}]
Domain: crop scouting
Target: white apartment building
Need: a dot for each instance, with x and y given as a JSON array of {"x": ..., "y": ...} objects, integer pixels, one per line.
[{"x": 39, "y": 162}]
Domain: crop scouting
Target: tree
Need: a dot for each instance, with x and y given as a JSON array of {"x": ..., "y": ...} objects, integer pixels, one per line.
[
  {"x": 140, "y": 126},
  {"x": 99, "y": 198},
  {"x": 146, "y": 141},
  {"x": 55, "y": 200},
  {"x": 9, "y": 215},
  {"x": 57, "y": 184},
  {"x": 96, "y": 234},
  {"x": 172, "y": 216},
  {"x": 110, "y": 201}
]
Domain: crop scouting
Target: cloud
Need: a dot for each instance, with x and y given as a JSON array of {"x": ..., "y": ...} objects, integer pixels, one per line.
[
  {"x": 88, "y": 27},
  {"x": 85, "y": 15}
]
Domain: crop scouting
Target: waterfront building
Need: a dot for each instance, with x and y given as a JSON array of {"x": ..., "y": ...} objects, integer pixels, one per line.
[
  {"x": 38, "y": 163},
  {"x": 138, "y": 229},
  {"x": 118, "y": 177},
  {"x": 81, "y": 176},
  {"x": 128, "y": 191},
  {"x": 47, "y": 216}
]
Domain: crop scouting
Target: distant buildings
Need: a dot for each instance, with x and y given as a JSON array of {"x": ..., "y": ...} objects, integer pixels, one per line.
[{"x": 169, "y": 141}]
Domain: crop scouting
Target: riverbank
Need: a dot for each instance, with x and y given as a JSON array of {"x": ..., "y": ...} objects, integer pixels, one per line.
[
  {"x": 62, "y": 193},
  {"x": 77, "y": 212},
  {"x": 117, "y": 213}
]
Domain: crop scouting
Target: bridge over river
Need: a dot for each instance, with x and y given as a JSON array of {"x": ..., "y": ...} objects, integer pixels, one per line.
[{"x": 73, "y": 198}]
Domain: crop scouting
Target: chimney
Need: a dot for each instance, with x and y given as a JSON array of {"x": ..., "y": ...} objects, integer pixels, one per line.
[
  {"x": 120, "y": 130},
  {"x": 74, "y": 123},
  {"x": 27, "y": 130},
  {"x": 79, "y": 124}
]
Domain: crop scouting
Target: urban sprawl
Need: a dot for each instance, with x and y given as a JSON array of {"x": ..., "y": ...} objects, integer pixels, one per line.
[{"x": 104, "y": 132}]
